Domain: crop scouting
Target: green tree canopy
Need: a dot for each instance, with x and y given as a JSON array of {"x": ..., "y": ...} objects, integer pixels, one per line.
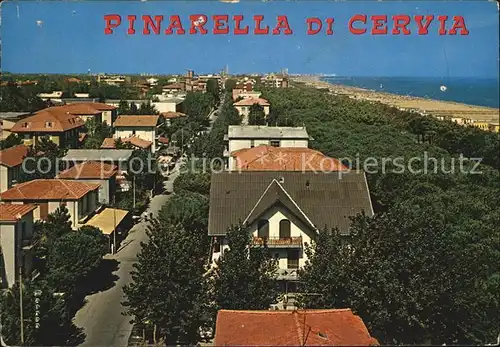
[
  {"x": 245, "y": 278},
  {"x": 256, "y": 115},
  {"x": 72, "y": 256},
  {"x": 168, "y": 288},
  {"x": 10, "y": 141}
]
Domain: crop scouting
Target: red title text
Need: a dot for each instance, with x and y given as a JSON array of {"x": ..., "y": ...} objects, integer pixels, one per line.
[{"x": 359, "y": 24}]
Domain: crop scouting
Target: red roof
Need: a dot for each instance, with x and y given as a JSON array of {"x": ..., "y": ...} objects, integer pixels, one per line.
[
  {"x": 73, "y": 80},
  {"x": 13, "y": 156},
  {"x": 252, "y": 101},
  {"x": 108, "y": 142},
  {"x": 136, "y": 121},
  {"x": 163, "y": 140},
  {"x": 133, "y": 140},
  {"x": 48, "y": 189},
  {"x": 76, "y": 109},
  {"x": 291, "y": 328},
  {"x": 13, "y": 212},
  {"x": 89, "y": 169},
  {"x": 137, "y": 142},
  {"x": 269, "y": 158},
  {"x": 97, "y": 106},
  {"x": 52, "y": 119}
]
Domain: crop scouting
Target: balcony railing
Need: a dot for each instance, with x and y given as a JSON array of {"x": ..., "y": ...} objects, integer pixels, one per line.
[{"x": 278, "y": 242}]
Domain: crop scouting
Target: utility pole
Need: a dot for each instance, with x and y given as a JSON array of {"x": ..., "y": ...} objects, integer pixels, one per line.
[
  {"x": 21, "y": 302},
  {"x": 114, "y": 224},
  {"x": 133, "y": 190}
]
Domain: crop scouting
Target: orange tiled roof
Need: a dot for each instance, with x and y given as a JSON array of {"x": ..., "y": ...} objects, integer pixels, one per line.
[
  {"x": 89, "y": 169},
  {"x": 73, "y": 80},
  {"x": 13, "y": 212},
  {"x": 136, "y": 121},
  {"x": 108, "y": 142},
  {"x": 269, "y": 158},
  {"x": 138, "y": 142},
  {"x": 286, "y": 328},
  {"x": 78, "y": 109},
  {"x": 13, "y": 156},
  {"x": 48, "y": 189},
  {"x": 163, "y": 140},
  {"x": 99, "y": 106},
  {"x": 52, "y": 119},
  {"x": 170, "y": 115},
  {"x": 133, "y": 140},
  {"x": 252, "y": 101}
]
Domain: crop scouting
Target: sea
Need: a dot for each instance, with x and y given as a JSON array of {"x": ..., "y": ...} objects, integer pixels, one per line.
[{"x": 472, "y": 91}]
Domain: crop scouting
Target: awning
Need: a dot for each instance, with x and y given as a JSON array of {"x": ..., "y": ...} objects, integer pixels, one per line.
[{"x": 107, "y": 220}]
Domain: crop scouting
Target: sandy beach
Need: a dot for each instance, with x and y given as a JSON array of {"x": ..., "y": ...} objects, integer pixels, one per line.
[{"x": 422, "y": 105}]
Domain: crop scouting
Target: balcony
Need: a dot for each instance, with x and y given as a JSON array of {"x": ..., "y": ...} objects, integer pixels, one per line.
[
  {"x": 288, "y": 274},
  {"x": 278, "y": 242}
]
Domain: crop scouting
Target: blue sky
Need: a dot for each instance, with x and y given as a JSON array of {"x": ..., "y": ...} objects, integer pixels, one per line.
[{"x": 69, "y": 38}]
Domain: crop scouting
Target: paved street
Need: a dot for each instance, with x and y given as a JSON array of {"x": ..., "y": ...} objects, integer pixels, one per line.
[{"x": 101, "y": 317}]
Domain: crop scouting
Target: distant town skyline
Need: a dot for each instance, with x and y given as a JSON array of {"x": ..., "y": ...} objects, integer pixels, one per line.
[{"x": 33, "y": 40}]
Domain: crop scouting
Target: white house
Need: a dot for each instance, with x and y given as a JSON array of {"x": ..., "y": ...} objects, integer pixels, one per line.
[
  {"x": 243, "y": 107},
  {"x": 16, "y": 247},
  {"x": 286, "y": 209},
  {"x": 81, "y": 199},
  {"x": 143, "y": 127},
  {"x": 249, "y": 136}
]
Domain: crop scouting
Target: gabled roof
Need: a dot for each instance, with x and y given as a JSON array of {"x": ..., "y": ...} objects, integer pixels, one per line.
[
  {"x": 48, "y": 189},
  {"x": 52, "y": 119},
  {"x": 271, "y": 158},
  {"x": 136, "y": 121},
  {"x": 137, "y": 142},
  {"x": 88, "y": 170},
  {"x": 13, "y": 212},
  {"x": 108, "y": 142},
  {"x": 13, "y": 156},
  {"x": 133, "y": 140},
  {"x": 273, "y": 195},
  {"x": 334, "y": 327},
  {"x": 252, "y": 101},
  {"x": 327, "y": 199}
]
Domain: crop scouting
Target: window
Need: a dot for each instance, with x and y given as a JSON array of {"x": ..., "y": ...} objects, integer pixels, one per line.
[
  {"x": 275, "y": 143},
  {"x": 133, "y": 132},
  {"x": 252, "y": 143},
  {"x": 48, "y": 124},
  {"x": 285, "y": 229},
  {"x": 293, "y": 259},
  {"x": 23, "y": 230},
  {"x": 25, "y": 125},
  {"x": 263, "y": 228}
]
